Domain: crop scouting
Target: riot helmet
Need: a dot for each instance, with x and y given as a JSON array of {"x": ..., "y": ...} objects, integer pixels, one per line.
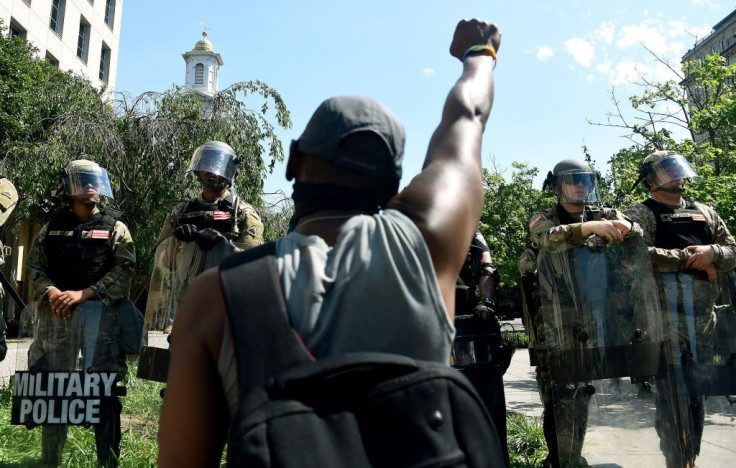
[
  {"x": 215, "y": 157},
  {"x": 574, "y": 182},
  {"x": 85, "y": 180},
  {"x": 666, "y": 171}
]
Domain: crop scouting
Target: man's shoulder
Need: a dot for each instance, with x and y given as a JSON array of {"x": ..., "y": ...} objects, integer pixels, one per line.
[{"x": 638, "y": 209}]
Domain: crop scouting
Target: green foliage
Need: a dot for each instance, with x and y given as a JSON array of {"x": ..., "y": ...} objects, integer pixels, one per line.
[
  {"x": 527, "y": 447},
  {"x": 508, "y": 207},
  {"x": 48, "y": 117}
]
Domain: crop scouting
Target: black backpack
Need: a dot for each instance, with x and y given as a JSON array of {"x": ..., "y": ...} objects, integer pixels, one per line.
[{"x": 352, "y": 410}]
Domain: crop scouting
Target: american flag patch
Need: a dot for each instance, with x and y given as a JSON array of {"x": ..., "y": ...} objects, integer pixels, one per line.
[
  {"x": 99, "y": 234},
  {"x": 698, "y": 217},
  {"x": 218, "y": 215}
]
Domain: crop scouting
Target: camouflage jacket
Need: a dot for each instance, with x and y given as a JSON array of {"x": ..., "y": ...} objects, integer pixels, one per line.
[
  {"x": 249, "y": 228},
  {"x": 671, "y": 260},
  {"x": 546, "y": 230},
  {"x": 111, "y": 287},
  {"x": 8, "y": 200}
]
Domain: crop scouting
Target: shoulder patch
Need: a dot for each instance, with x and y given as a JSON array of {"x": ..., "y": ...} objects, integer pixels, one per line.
[{"x": 535, "y": 220}]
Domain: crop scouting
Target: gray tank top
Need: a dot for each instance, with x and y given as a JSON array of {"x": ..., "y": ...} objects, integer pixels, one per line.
[{"x": 375, "y": 290}]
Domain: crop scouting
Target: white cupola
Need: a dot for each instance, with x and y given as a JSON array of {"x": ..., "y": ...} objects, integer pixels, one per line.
[{"x": 203, "y": 68}]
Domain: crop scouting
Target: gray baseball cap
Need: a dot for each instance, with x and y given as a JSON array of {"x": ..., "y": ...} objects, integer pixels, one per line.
[{"x": 338, "y": 117}]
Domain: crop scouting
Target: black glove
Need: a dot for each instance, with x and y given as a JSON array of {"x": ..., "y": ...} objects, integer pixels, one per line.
[
  {"x": 207, "y": 238},
  {"x": 185, "y": 232},
  {"x": 483, "y": 311}
]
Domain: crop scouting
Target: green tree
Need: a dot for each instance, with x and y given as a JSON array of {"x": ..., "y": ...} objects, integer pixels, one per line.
[
  {"x": 702, "y": 102},
  {"x": 49, "y": 117},
  {"x": 508, "y": 207},
  {"x": 33, "y": 94}
]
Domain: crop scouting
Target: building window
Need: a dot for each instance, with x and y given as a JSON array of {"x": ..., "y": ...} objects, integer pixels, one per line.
[
  {"x": 56, "y": 23},
  {"x": 110, "y": 12},
  {"x": 16, "y": 30},
  {"x": 51, "y": 59},
  {"x": 198, "y": 74},
  {"x": 104, "y": 63},
  {"x": 83, "y": 40}
]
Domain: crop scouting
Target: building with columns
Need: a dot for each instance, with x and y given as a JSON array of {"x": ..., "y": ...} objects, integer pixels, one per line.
[{"x": 82, "y": 36}]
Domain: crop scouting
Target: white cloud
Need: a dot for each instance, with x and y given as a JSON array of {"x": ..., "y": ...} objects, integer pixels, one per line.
[
  {"x": 646, "y": 33},
  {"x": 590, "y": 78},
  {"x": 428, "y": 72},
  {"x": 544, "y": 53},
  {"x": 709, "y": 3},
  {"x": 581, "y": 50},
  {"x": 626, "y": 71},
  {"x": 605, "y": 32},
  {"x": 604, "y": 67}
]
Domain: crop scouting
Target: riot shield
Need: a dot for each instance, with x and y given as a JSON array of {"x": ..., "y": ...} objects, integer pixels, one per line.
[
  {"x": 604, "y": 339},
  {"x": 701, "y": 356},
  {"x": 176, "y": 264},
  {"x": 70, "y": 372}
]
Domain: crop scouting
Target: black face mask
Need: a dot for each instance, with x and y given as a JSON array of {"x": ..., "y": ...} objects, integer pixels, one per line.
[{"x": 310, "y": 198}]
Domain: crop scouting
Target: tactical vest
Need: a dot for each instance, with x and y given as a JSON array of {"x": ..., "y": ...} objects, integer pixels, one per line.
[
  {"x": 220, "y": 216},
  {"x": 79, "y": 254},
  {"x": 681, "y": 227}
]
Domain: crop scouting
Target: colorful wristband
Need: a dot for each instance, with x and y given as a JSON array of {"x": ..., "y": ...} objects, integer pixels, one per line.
[{"x": 481, "y": 50}]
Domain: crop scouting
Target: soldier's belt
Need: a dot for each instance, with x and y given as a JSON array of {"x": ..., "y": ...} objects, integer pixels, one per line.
[{"x": 588, "y": 364}]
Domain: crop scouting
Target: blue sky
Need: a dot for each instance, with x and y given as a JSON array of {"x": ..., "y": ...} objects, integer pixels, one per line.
[{"x": 558, "y": 62}]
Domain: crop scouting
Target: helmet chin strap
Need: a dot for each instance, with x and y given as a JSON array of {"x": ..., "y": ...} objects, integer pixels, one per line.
[{"x": 679, "y": 190}]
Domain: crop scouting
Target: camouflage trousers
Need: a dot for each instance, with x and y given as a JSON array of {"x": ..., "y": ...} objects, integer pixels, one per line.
[{"x": 565, "y": 413}]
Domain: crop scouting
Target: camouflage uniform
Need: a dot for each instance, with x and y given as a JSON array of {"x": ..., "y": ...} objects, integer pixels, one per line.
[
  {"x": 247, "y": 228},
  {"x": 8, "y": 200},
  {"x": 668, "y": 265},
  {"x": 240, "y": 224},
  {"x": 56, "y": 340},
  {"x": 564, "y": 424}
]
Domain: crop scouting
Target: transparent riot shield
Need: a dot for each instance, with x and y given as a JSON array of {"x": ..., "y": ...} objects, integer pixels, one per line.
[
  {"x": 69, "y": 372},
  {"x": 604, "y": 340},
  {"x": 701, "y": 355},
  {"x": 176, "y": 264}
]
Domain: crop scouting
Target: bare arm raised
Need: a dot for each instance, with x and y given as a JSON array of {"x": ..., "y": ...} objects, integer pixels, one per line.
[{"x": 446, "y": 198}]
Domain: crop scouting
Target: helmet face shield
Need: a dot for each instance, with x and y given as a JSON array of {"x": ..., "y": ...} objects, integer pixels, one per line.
[
  {"x": 216, "y": 160},
  {"x": 87, "y": 181},
  {"x": 670, "y": 169},
  {"x": 578, "y": 188}
]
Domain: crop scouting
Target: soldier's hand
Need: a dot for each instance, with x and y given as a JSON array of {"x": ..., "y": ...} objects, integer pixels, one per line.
[
  {"x": 603, "y": 228},
  {"x": 702, "y": 257},
  {"x": 483, "y": 311},
  {"x": 474, "y": 32},
  {"x": 207, "y": 238},
  {"x": 185, "y": 232},
  {"x": 62, "y": 302}
]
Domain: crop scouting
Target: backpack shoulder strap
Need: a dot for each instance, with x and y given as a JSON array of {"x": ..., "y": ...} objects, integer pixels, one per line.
[{"x": 262, "y": 337}]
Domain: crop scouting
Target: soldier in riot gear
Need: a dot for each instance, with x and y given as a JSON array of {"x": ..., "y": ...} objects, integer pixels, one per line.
[
  {"x": 689, "y": 247},
  {"x": 213, "y": 224},
  {"x": 478, "y": 351},
  {"x": 8, "y": 200},
  {"x": 574, "y": 221},
  {"x": 81, "y": 266}
]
